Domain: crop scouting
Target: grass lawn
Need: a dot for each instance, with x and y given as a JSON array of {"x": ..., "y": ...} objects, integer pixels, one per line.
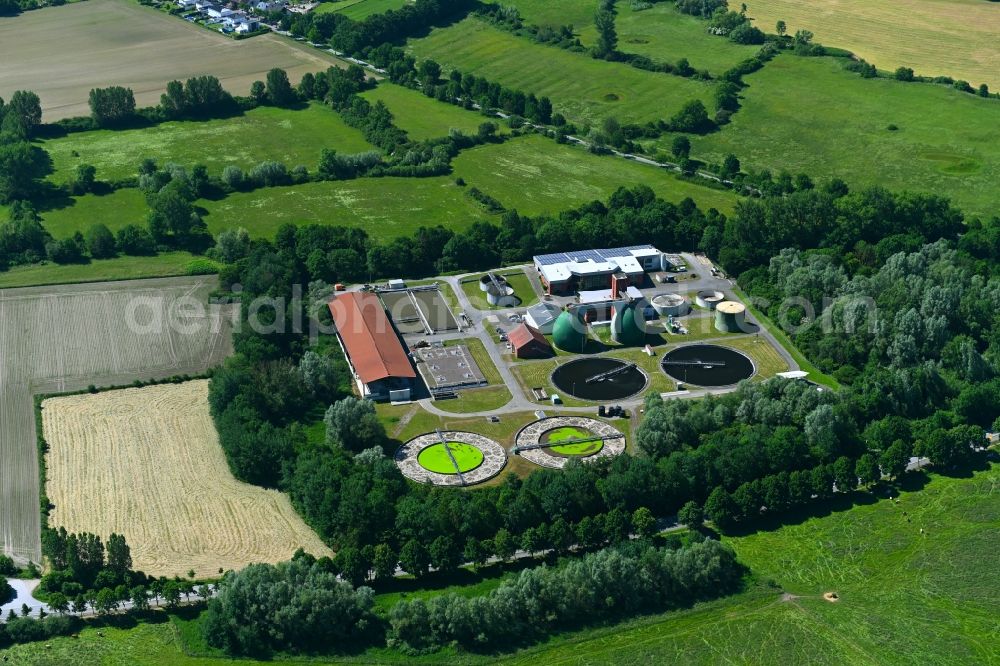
[
  {"x": 766, "y": 359},
  {"x": 956, "y": 38},
  {"x": 384, "y": 207},
  {"x": 115, "y": 210},
  {"x": 516, "y": 279},
  {"x": 577, "y": 13},
  {"x": 122, "y": 268},
  {"x": 809, "y": 115},
  {"x": 581, "y": 88},
  {"x": 904, "y": 597},
  {"x": 536, "y": 175},
  {"x": 476, "y": 400},
  {"x": 436, "y": 458},
  {"x": 426, "y": 118},
  {"x": 360, "y": 9},
  {"x": 266, "y": 133},
  {"x": 664, "y": 34}
]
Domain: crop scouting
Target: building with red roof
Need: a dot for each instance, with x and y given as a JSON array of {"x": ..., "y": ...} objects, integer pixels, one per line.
[
  {"x": 378, "y": 360},
  {"x": 529, "y": 342}
]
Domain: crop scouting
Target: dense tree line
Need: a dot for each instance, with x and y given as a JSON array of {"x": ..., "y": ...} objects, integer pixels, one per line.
[
  {"x": 296, "y": 606},
  {"x": 394, "y": 26},
  {"x": 613, "y": 583}
]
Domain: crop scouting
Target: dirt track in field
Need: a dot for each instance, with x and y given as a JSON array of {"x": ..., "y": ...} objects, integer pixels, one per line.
[
  {"x": 147, "y": 463},
  {"x": 64, "y": 338},
  {"x": 63, "y": 52}
]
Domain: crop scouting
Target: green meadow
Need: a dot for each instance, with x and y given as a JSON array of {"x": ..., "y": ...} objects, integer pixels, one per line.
[
  {"x": 809, "y": 115},
  {"x": 664, "y": 34},
  {"x": 359, "y": 9},
  {"x": 536, "y": 175},
  {"x": 115, "y": 210},
  {"x": 903, "y": 597},
  {"x": 165, "y": 264},
  {"x": 265, "y": 133},
  {"x": 577, "y": 13},
  {"x": 384, "y": 207},
  {"x": 581, "y": 88},
  {"x": 423, "y": 117}
]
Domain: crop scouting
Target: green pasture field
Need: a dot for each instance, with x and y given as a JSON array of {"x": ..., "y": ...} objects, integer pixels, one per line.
[
  {"x": 904, "y": 597},
  {"x": 809, "y": 115},
  {"x": 166, "y": 264},
  {"x": 359, "y": 9},
  {"x": 384, "y": 207},
  {"x": 956, "y": 38},
  {"x": 266, "y": 133},
  {"x": 664, "y": 34},
  {"x": 116, "y": 210},
  {"x": 535, "y": 175},
  {"x": 436, "y": 459},
  {"x": 423, "y": 117},
  {"x": 581, "y": 88},
  {"x": 577, "y": 13}
]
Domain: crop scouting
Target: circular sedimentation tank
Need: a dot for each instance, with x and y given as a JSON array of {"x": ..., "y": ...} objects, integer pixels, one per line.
[
  {"x": 569, "y": 332},
  {"x": 501, "y": 295},
  {"x": 730, "y": 317},
  {"x": 707, "y": 365},
  {"x": 554, "y": 441},
  {"x": 442, "y": 458},
  {"x": 450, "y": 458},
  {"x": 671, "y": 305},
  {"x": 610, "y": 379},
  {"x": 486, "y": 282},
  {"x": 709, "y": 298},
  {"x": 628, "y": 327}
]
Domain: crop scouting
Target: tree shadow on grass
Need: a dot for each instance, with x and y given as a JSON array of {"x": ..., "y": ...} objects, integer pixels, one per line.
[{"x": 911, "y": 482}]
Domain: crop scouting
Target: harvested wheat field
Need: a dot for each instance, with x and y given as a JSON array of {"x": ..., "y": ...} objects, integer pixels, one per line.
[
  {"x": 956, "y": 38},
  {"x": 147, "y": 463}
]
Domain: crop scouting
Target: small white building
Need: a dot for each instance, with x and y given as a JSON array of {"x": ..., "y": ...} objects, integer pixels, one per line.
[
  {"x": 219, "y": 13},
  {"x": 204, "y": 5},
  {"x": 247, "y": 25},
  {"x": 188, "y": 4}
]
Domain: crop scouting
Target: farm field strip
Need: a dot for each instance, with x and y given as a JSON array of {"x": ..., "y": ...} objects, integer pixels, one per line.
[
  {"x": 147, "y": 463},
  {"x": 114, "y": 40},
  {"x": 57, "y": 339},
  {"x": 581, "y": 88},
  {"x": 956, "y": 38}
]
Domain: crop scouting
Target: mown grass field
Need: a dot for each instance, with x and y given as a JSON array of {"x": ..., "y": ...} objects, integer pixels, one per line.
[
  {"x": 536, "y": 175},
  {"x": 116, "y": 210},
  {"x": 581, "y": 88},
  {"x": 121, "y": 268},
  {"x": 384, "y": 207},
  {"x": 809, "y": 115},
  {"x": 956, "y": 38},
  {"x": 423, "y": 117},
  {"x": 905, "y": 597},
  {"x": 577, "y": 13},
  {"x": 666, "y": 35},
  {"x": 266, "y": 133},
  {"x": 63, "y": 52}
]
